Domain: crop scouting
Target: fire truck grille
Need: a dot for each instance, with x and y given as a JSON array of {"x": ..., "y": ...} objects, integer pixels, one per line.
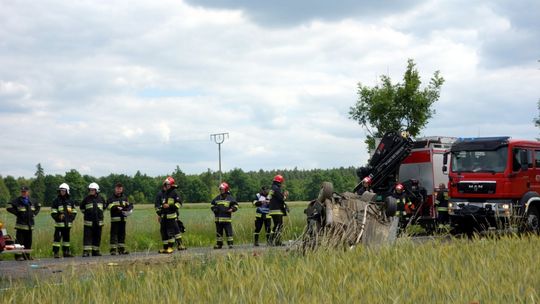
[{"x": 477, "y": 187}]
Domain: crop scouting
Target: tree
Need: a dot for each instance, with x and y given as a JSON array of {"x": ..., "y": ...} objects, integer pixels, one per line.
[
  {"x": 51, "y": 188},
  {"x": 37, "y": 186},
  {"x": 242, "y": 186},
  {"x": 196, "y": 191},
  {"x": 77, "y": 185},
  {"x": 13, "y": 186},
  {"x": 5, "y": 196},
  {"x": 396, "y": 107}
]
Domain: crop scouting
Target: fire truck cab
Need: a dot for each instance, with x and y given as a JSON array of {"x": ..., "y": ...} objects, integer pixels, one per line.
[{"x": 493, "y": 180}]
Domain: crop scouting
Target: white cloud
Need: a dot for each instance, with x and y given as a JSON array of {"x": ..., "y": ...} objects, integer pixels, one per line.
[{"x": 117, "y": 87}]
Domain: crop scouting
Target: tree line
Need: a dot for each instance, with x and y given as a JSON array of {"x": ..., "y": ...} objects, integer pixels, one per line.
[{"x": 303, "y": 185}]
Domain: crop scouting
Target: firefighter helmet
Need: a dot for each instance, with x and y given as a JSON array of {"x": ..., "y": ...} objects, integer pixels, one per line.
[
  {"x": 94, "y": 186},
  {"x": 399, "y": 187},
  {"x": 278, "y": 178},
  {"x": 64, "y": 186},
  {"x": 169, "y": 181},
  {"x": 224, "y": 186},
  {"x": 367, "y": 180}
]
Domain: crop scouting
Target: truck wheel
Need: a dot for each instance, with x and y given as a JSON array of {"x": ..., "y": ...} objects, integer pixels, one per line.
[
  {"x": 533, "y": 220},
  {"x": 327, "y": 190},
  {"x": 390, "y": 206}
]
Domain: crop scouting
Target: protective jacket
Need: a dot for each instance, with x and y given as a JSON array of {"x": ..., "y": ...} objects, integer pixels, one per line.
[
  {"x": 63, "y": 211},
  {"x": 25, "y": 210}
]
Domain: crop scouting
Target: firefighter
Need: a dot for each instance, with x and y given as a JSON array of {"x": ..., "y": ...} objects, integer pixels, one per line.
[
  {"x": 402, "y": 200},
  {"x": 120, "y": 209},
  {"x": 441, "y": 201},
  {"x": 410, "y": 209},
  {"x": 278, "y": 209},
  {"x": 366, "y": 185},
  {"x": 261, "y": 216},
  {"x": 25, "y": 210},
  {"x": 92, "y": 207},
  {"x": 63, "y": 212},
  {"x": 223, "y": 206},
  {"x": 167, "y": 205}
]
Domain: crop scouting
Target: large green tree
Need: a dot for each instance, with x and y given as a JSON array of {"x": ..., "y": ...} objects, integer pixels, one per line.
[{"x": 398, "y": 107}]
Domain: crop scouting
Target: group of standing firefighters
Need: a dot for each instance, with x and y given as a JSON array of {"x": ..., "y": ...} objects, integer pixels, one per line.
[
  {"x": 270, "y": 208},
  {"x": 270, "y": 205}
]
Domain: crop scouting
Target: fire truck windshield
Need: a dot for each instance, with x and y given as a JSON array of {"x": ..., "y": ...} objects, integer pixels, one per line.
[{"x": 493, "y": 161}]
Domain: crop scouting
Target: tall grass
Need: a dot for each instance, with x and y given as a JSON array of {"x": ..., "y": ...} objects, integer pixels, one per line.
[
  {"x": 143, "y": 227},
  {"x": 463, "y": 271}
]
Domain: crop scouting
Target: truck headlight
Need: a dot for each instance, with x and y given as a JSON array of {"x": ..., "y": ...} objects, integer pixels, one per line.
[
  {"x": 506, "y": 206},
  {"x": 450, "y": 205}
]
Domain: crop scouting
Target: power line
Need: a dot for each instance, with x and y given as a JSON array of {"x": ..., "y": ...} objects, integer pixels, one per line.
[{"x": 219, "y": 138}]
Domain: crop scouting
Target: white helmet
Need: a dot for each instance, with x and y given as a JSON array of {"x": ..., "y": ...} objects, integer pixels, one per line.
[
  {"x": 94, "y": 186},
  {"x": 64, "y": 186}
]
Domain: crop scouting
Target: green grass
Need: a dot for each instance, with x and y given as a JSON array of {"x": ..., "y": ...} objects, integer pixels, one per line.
[
  {"x": 463, "y": 271},
  {"x": 143, "y": 227}
]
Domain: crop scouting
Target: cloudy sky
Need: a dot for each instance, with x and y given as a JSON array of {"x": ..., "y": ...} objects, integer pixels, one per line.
[{"x": 119, "y": 86}]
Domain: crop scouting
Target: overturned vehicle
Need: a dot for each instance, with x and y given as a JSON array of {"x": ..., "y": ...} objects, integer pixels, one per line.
[{"x": 363, "y": 216}]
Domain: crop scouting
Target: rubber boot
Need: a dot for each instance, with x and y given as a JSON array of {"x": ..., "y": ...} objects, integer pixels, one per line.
[
  {"x": 122, "y": 250},
  {"x": 170, "y": 248},
  {"x": 164, "y": 250},
  {"x": 267, "y": 238},
  {"x": 86, "y": 253},
  {"x": 19, "y": 257},
  {"x": 56, "y": 252},
  {"x": 67, "y": 252},
  {"x": 256, "y": 241},
  {"x": 113, "y": 251},
  {"x": 270, "y": 239},
  {"x": 96, "y": 253},
  {"x": 179, "y": 245},
  {"x": 218, "y": 245},
  {"x": 230, "y": 244}
]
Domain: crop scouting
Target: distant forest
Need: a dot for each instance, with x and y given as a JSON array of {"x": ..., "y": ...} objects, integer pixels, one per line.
[{"x": 302, "y": 185}]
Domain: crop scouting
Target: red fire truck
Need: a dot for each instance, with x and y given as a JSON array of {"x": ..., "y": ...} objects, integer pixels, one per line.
[
  {"x": 494, "y": 182},
  {"x": 424, "y": 164}
]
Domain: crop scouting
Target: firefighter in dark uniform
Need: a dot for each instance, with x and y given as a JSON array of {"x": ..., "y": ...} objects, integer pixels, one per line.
[
  {"x": 278, "y": 209},
  {"x": 167, "y": 205},
  {"x": 441, "y": 201},
  {"x": 366, "y": 186},
  {"x": 223, "y": 206},
  {"x": 120, "y": 209},
  {"x": 63, "y": 212},
  {"x": 25, "y": 210},
  {"x": 402, "y": 200},
  {"x": 92, "y": 207},
  {"x": 262, "y": 216}
]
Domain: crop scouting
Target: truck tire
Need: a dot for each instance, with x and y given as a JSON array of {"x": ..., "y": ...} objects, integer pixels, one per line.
[
  {"x": 327, "y": 190},
  {"x": 390, "y": 206},
  {"x": 533, "y": 220}
]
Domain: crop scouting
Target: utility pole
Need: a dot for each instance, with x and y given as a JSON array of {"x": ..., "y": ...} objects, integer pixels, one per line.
[{"x": 219, "y": 138}]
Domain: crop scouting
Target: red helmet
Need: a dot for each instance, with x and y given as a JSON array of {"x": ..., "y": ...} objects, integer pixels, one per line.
[
  {"x": 224, "y": 186},
  {"x": 169, "y": 181},
  {"x": 278, "y": 178},
  {"x": 399, "y": 187},
  {"x": 367, "y": 180}
]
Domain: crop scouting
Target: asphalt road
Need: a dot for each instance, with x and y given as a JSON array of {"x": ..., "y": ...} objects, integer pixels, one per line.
[{"x": 50, "y": 267}]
